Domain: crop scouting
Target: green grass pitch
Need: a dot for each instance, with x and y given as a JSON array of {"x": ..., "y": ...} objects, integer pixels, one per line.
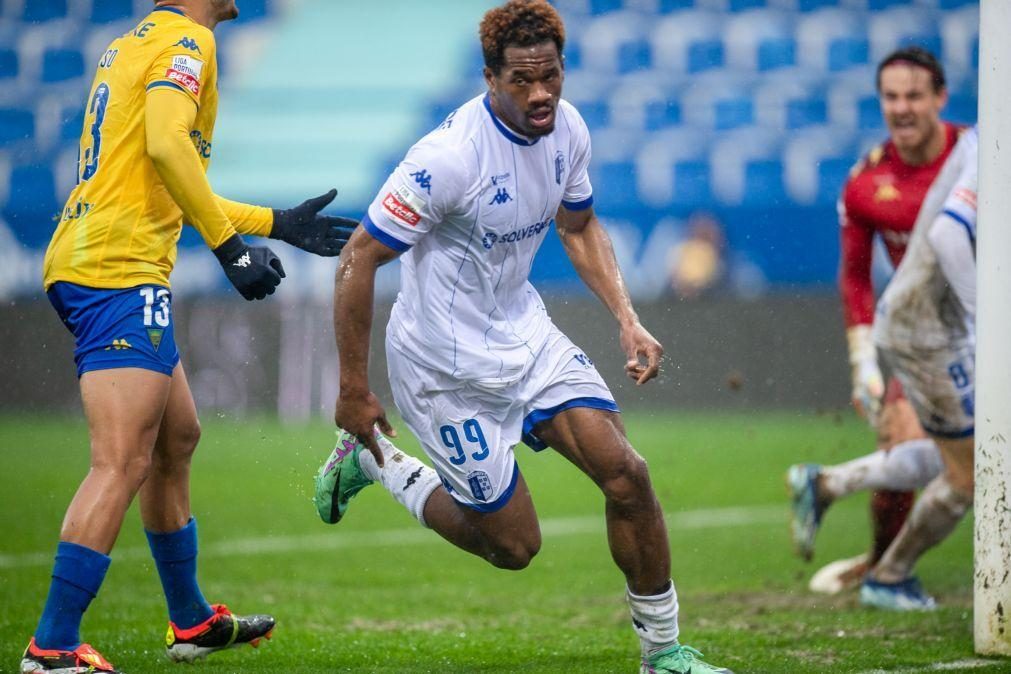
[{"x": 376, "y": 593}]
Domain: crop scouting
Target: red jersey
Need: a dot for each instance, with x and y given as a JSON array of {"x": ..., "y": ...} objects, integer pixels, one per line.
[{"x": 883, "y": 194}]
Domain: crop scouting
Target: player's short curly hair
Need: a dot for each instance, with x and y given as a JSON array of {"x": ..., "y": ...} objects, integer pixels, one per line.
[
  {"x": 919, "y": 57},
  {"x": 519, "y": 23}
]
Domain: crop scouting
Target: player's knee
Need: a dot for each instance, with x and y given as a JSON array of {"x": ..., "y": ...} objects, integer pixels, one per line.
[
  {"x": 627, "y": 483},
  {"x": 183, "y": 441},
  {"x": 514, "y": 553},
  {"x": 128, "y": 469},
  {"x": 512, "y": 558}
]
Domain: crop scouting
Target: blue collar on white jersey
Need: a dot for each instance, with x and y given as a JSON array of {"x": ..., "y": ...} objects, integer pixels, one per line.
[
  {"x": 503, "y": 129},
  {"x": 174, "y": 10}
]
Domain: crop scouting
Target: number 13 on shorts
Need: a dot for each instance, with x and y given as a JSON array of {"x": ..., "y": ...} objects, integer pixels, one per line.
[{"x": 159, "y": 315}]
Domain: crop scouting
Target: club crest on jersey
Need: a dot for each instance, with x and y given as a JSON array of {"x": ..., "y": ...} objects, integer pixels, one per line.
[
  {"x": 424, "y": 179},
  {"x": 188, "y": 43},
  {"x": 559, "y": 167},
  {"x": 480, "y": 485},
  {"x": 399, "y": 210},
  {"x": 501, "y": 196}
]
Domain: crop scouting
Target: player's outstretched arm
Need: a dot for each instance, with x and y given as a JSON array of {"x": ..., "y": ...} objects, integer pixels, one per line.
[
  {"x": 169, "y": 117},
  {"x": 301, "y": 226},
  {"x": 589, "y": 247},
  {"x": 358, "y": 410}
]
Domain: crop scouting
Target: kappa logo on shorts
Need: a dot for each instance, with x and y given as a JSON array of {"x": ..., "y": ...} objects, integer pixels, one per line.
[
  {"x": 119, "y": 345},
  {"x": 480, "y": 485}
]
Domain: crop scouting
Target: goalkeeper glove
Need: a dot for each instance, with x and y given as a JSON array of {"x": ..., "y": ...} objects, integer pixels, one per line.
[
  {"x": 868, "y": 384},
  {"x": 254, "y": 271},
  {"x": 303, "y": 227}
]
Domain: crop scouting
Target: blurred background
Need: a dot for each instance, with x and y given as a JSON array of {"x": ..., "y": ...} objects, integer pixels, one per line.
[{"x": 723, "y": 131}]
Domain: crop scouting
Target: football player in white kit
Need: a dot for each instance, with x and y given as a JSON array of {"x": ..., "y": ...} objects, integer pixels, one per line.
[
  {"x": 924, "y": 331},
  {"x": 475, "y": 364}
]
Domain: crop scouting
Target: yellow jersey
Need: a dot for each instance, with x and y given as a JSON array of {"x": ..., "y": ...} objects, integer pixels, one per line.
[{"x": 120, "y": 226}]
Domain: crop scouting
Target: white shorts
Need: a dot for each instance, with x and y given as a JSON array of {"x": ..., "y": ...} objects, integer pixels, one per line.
[
  {"x": 469, "y": 432},
  {"x": 940, "y": 384}
]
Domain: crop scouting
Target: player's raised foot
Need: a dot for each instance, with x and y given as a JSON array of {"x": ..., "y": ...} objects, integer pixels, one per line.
[
  {"x": 906, "y": 595},
  {"x": 840, "y": 575},
  {"x": 340, "y": 478},
  {"x": 806, "y": 508},
  {"x": 222, "y": 630},
  {"x": 678, "y": 659},
  {"x": 82, "y": 660}
]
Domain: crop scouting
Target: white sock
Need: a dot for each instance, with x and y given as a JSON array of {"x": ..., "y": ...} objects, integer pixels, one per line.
[
  {"x": 407, "y": 479},
  {"x": 655, "y": 619},
  {"x": 936, "y": 513},
  {"x": 906, "y": 466}
]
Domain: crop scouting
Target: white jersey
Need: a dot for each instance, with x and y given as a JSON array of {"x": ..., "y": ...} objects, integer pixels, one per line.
[
  {"x": 930, "y": 302},
  {"x": 469, "y": 207}
]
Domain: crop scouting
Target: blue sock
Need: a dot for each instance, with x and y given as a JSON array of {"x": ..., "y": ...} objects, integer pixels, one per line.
[
  {"x": 175, "y": 555},
  {"x": 78, "y": 572}
]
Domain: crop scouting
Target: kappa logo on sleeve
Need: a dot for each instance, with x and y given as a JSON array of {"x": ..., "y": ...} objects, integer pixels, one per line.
[{"x": 400, "y": 210}]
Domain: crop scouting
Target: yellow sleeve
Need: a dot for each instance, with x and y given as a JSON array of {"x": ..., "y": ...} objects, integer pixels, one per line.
[
  {"x": 246, "y": 218},
  {"x": 168, "y": 119},
  {"x": 184, "y": 65}
]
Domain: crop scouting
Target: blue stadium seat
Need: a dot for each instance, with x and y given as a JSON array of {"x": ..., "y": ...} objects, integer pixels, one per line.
[
  {"x": 832, "y": 39},
  {"x": 604, "y": 6},
  {"x": 691, "y": 183},
  {"x": 107, "y": 11},
  {"x": 71, "y": 123},
  {"x": 902, "y": 27},
  {"x": 777, "y": 52},
  {"x": 869, "y": 113},
  {"x": 59, "y": 65},
  {"x": 615, "y": 43},
  {"x": 688, "y": 41},
  {"x": 37, "y": 11},
  {"x": 573, "y": 56},
  {"x": 668, "y": 6},
  {"x": 804, "y": 112},
  {"x": 661, "y": 114},
  {"x": 955, "y": 4},
  {"x": 16, "y": 125},
  {"x": 747, "y": 167},
  {"x": 832, "y": 175},
  {"x": 31, "y": 207},
  {"x": 252, "y": 10},
  {"x": 960, "y": 35},
  {"x": 845, "y": 52},
  {"x": 704, "y": 54},
  {"x": 763, "y": 183},
  {"x": 8, "y": 64},
  {"x": 759, "y": 40},
  {"x": 595, "y": 114},
  {"x": 961, "y": 109},
  {"x": 613, "y": 182},
  {"x": 878, "y": 5},
  {"x": 633, "y": 56},
  {"x": 816, "y": 161},
  {"x": 730, "y": 113}
]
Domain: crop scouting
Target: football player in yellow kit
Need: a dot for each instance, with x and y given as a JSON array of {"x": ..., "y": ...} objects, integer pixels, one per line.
[{"x": 144, "y": 150}]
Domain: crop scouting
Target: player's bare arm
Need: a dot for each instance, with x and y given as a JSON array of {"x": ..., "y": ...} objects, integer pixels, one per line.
[
  {"x": 358, "y": 409},
  {"x": 589, "y": 247}
]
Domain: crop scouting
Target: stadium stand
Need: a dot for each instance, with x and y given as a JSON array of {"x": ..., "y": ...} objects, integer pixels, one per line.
[{"x": 725, "y": 105}]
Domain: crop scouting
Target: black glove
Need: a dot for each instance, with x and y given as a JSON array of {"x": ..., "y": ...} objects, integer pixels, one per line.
[
  {"x": 254, "y": 271},
  {"x": 303, "y": 227}
]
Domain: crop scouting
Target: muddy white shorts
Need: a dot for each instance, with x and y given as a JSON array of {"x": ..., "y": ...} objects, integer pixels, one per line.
[
  {"x": 940, "y": 384},
  {"x": 469, "y": 431}
]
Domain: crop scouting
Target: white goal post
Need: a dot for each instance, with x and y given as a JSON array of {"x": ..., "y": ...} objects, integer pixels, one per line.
[{"x": 992, "y": 596}]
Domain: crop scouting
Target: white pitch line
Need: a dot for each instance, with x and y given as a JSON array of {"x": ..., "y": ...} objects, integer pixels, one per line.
[
  {"x": 954, "y": 665},
  {"x": 715, "y": 518}
]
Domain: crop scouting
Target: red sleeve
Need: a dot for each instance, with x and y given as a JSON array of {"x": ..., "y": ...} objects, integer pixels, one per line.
[{"x": 857, "y": 244}]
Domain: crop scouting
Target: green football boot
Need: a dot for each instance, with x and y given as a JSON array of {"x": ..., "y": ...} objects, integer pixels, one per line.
[
  {"x": 340, "y": 478},
  {"x": 678, "y": 659}
]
